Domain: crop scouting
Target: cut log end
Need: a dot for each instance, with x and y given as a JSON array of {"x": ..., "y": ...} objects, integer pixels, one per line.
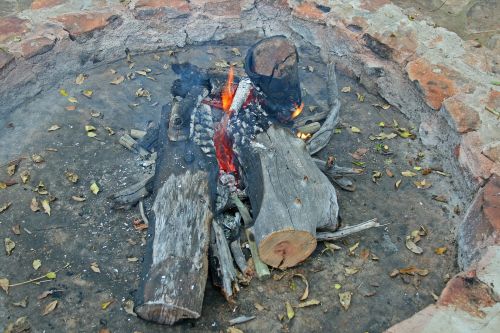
[
  {"x": 286, "y": 248},
  {"x": 164, "y": 313}
]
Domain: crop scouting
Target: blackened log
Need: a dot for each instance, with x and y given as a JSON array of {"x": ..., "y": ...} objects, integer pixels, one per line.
[
  {"x": 223, "y": 271},
  {"x": 290, "y": 197}
]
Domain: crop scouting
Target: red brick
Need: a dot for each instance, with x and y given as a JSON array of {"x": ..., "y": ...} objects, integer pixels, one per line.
[
  {"x": 434, "y": 80},
  {"x": 229, "y": 9},
  {"x": 171, "y": 8},
  {"x": 36, "y": 46},
  {"x": 5, "y": 59},
  {"x": 491, "y": 203},
  {"x": 471, "y": 158},
  {"x": 42, "y": 4},
  {"x": 79, "y": 24},
  {"x": 464, "y": 117},
  {"x": 466, "y": 292},
  {"x": 309, "y": 11},
  {"x": 12, "y": 26},
  {"x": 492, "y": 151},
  {"x": 373, "y": 5}
]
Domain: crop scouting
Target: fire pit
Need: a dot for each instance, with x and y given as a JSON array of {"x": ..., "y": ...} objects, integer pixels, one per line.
[{"x": 260, "y": 137}]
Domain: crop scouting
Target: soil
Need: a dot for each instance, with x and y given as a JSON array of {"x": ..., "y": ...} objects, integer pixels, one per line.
[{"x": 82, "y": 233}]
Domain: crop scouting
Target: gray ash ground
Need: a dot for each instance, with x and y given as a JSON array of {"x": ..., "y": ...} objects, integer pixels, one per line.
[{"x": 91, "y": 231}]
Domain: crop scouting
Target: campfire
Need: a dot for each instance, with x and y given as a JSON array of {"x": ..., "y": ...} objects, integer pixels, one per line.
[{"x": 234, "y": 167}]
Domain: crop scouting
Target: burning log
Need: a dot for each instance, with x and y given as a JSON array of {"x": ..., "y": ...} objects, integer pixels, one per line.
[{"x": 290, "y": 197}]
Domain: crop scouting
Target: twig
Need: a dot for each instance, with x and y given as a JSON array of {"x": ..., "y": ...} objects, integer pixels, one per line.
[
  {"x": 38, "y": 278},
  {"x": 260, "y": 268},
  {"x": 347, "y": 231},
  {"x": 143, "y": 215},
  {"x": 240, "y": 320}
]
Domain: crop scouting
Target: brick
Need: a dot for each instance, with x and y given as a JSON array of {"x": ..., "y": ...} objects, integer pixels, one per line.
[
  {"x": 5, "y": 59},
  {"x": 373, "y": 5},
  {"x": 43, "y": 4},
  {"x": 491, "y": 205},
  {"x": 492, "y": 151},
  {"x": 435, "y": 81},
  {"x": 79, "y": 24},
  {"x": 471, "y": 158},
  {"x": 463, "y": 117},
  {"x": 169, "y": 8},
  {"x": 36, "y": 46},
  {"x": 12, "y": 26},
  {"x": 467, "y": 293},
  {"x": 229, "y": 9},
  {"x": 309, "y": 11}
]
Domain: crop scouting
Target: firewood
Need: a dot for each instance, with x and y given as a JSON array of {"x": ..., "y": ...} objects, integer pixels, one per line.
[
  {"x": 290, "y": 197},
  {"x": 131, "y": 195},
  {"x": 235, "y": 246},
  {"x": 347, "y": 231},
  {"x": 128, "y": 142}
]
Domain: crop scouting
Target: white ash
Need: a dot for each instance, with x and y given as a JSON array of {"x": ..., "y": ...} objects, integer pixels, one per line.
[{"x": 202, "y": 129}]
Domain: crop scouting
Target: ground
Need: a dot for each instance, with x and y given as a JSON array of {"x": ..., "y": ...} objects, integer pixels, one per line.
[{"x": 83, "y": 233}]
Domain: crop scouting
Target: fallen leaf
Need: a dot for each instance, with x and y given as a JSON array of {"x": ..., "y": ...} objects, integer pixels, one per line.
[
  {"x": 71, "y": 176},
  {"x": 94, "y": 188},
  {"x": 51, "y": 275},
  {"x": 37, "y": 263},
  {"x": 410, "y": 245},
  {"x": 389, "y": 173},
  {"x": 143, "y": 73},
  {"x": 16, "y": 229},
  {"x": 118, "y": 80},
  {"x": 337, "y": 286},
  {"x": 87, "y": 93},
  {"x": 440, "y": 198},
  {"x": 11, "y": 169},
  {"x": 383, "y": 136},
  {"x": 70, "y": 108},
  {"x": 9, "y": 246},
  {"x": 80, "y": 78},
  {"x": 25, "y": 176},
  {"x": 232, "y": 329},
  {"x": 346, "y": 89},
  {"x": 412, "y": 270},
  {"x": 19, "y": 326},
  {"x": 45, "y": 294},
  {"x": 37, "y": 158},
  {"x": 72, "y": 100},
  {"x": 22, "y": 303},
  {"x": 110, "y": 130},
  {"x": 386, "y": 106},
  {"x": 128, "y": 306},
  {"x": 78, "y": 198},
  {"x": 397, "y": 184},
  {"x": 381, "y": 124},
  {"x": 354, "y": 247},
  {"x": 308, "y": 303},
  {"x": 46, "y": 206},
  {"x": 330, "y": 247},
  {"x": 361, "y": 97},
  {"x": 53, "y": 128},
  {"x": 95, "y": 267},
  {"x": 359, "y": 153},
  {"x": 345, "y": 299},
  {"x": 258, "y": 306},
  {"x": 351, "y": 270},
  {"x": 422, "y": 184},
  {"x": 4, "y": 284},
  {"x": 141, "y": 92},
  {"x": 3, "y": 185},
  {"x": 63, "y": 92},
  {"x": 289, "y": 310},
  {"x": 90, "y": 128},
  {"x": 394, "y": 273},
  {"x": 91, "y": 134},
  {"x": 95, "y": 114},
  {"x": 105, "y": 305},
  {"x": 5, "y": 206},
  {"x": 364, "y": 254},
  {"x": 306, "y": 290},
  {"x": 408, "y": 173},
  {"x": 354, "y": 129},
  {"x": 132, "y": 259},
  {"x": 50, "y": 307},
  {"x": 440, "y": 250},
  {"x": 404, "y": 133},
  {"x": 374, "y": 257},
  {"x": 376, "y": 175}
]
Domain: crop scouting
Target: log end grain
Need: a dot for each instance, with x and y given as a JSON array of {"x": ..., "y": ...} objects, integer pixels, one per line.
[
  {"x": 163, "y": 313},
  {"x": 286, "y": 248}
]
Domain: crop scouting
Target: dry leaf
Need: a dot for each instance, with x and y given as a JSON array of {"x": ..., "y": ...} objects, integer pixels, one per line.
[
  {"x": 408, "y": 173},
  {"x": 132, "y": 259},
  {"x": 337, "y": 286},
  {"x": 110, "y": 130},
  {"x": 361, "y": 97},
  {"x": 397, "y": 184},
  {"x": 25, "y": 176},
  {"x": 440, "y": 250},
  {"x": 45, "y": 294},
  {"x": 34, "y": 205},
  {"x": 95, "y": 268},
  {"x": 258, "y": 306},
  {"x": 5, "y": 206},
  {"x": 440, "y": 198},
  {"x": 118, "y": 80},
  {"x": 236, "y": 52},
  {"x": 46, "y": 206},
  {"x": 330, "y": 247},
  {"x": 70, "y": 108},
  {"x": 22, "y": 303},
  {"x": 345, "y": 299},
  {"x": 389, "y": 173},
  {"x": 78, "y": 198},
  {"x": 364, "y": 254},
  {"x": 143, "y": 73},
  {"x": 289, "y": 310},
  {"x": 422, "y": 184},
  {"x": 105, "y": 305},
  {"x": 37, "y": 263},
  {"x": 87, "y": 93},
  {"x": 351, "y": 270},
  {"x": 16, "y": 229},
  {"x": 355, "y": 129},
  {"x": 53, "y": 128},
  {"x": 3, "y": 186},
  {"x": 9, "y": 246},
  {"x": 11, "y": 169},
  {"x": 80, "y": 78},
  {"x": 50, "y": 307},
  {"x": 128, "y": 306},
  {"x": 91, "y": 134},
  {"x": 94, "y": 188},
  {"x": 71, "y": 176},
  {"x": 359, "y": 153},
  {"x": 410, "y": 245},
  {"x": 37, "y": 158},
  {"x": 354, "y": 247},
  {"x": 376, "y": 175},
  {"x": 306, "y": 290},
  {"x": 232, "y": 329},
  {"x": 4, "y": 284},
  {"x": 63, "y": 92},
  {"x": 51, "y": 275},
  {"x": 90, "y": 128},
  {"x": 412, "y": 270},
  {"x": 308, "y": 303},
  {"x": 95, "y": 114},
  {"x": 72, "y": 100},
  {"x": 346, "y": 89}
]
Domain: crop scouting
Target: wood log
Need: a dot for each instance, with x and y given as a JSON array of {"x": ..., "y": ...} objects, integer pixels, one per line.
[
  {"x": 131, "y": 195},
  {"x": 290, "y": 197},
  {"x": 175, "y": 283},
  {"x": 347, "y": 231}
]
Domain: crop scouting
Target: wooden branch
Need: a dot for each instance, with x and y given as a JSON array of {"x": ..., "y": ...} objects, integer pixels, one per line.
[
  {"x": 260, "y": 267},
  {"x": 174, "y": 287},
  {"x": 347, "y": 231},
  {"x": 131, "y": 195},
  {"x": 290, "y": 197},
  {"x": 309, "y": 128},
  {"x": 128, "y": 142},
  {"x": 238, "y": 255},
  {"x": 223, "y": 271}
]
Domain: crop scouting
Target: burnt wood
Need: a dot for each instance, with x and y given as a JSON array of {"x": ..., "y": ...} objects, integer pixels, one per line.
[{"x": 289, "y": 195}]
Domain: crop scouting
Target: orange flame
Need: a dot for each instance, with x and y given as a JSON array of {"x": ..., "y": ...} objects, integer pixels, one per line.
[
  {"x": 227, "y": 93},
  {"x": 303, "y": 136},
  {"x": 298, "y": 110}
]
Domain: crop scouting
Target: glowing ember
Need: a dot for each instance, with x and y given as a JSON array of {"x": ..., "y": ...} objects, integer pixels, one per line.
[
  {"x": 303, "y": 136},
  {"x": 228, "y": 92},
  {"x": 298, "y": 110}
]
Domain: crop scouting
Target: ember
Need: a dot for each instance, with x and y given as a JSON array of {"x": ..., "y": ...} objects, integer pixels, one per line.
[{"x": 298, "y": 110}]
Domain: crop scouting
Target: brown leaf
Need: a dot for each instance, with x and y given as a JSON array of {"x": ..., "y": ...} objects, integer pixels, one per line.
[
  {"x": 389, "y": 173},
  {"x": 46, "y": 206},
  {"x": 95, "y": 267},
  {"x": 412, "y": 270},
  {"x": 71, "y": 108},
  {"x": 308, "y": 303},
  {"x": 5, "y": 206},
  {"x": 34, "y": 205},
  {"x": 50, "y": 307},
  {"x": 128, "y": 306},
  {"x": 440, "y": 250},
  {"x": 22, "y": 303},
  {"x": 364, "y": 254},
  {"x": 71, "y": 176},
  {"x": 422, "y": 184},
  {"x": 397, "y": 184},
  {"x": 45, "y": 294},
  {"x": 306, "y": 290},
  {"x": 25, "y": 176},
  {"x": 78, "y": 198},
  {"x": 37, "y": 158},
  {"x": 440, "y": 198},
  {"x": 16, "y": 229},
  {"x": 80, "y": 78},
  {"x": 11, "y": 169},
  {"x": 410, "y": 245},
  {"x": 9, "y": 245},
  {"x": 345, "y": 299},
  {"x": 4, "y": 284},
  {"x": 351, "y": 270},
  {"x": 258, "y": 306},
  {"x": 359, "y": 153}
]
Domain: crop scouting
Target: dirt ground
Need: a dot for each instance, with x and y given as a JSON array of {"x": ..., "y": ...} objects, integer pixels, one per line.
[{"x": 78, "y": 235}]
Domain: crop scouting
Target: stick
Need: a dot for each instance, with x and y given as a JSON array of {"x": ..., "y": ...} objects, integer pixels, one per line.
[
  {"x": 225, "y": 270},
  {"x": 347, "y": 231},
  {"x": 260, "y": 268}
]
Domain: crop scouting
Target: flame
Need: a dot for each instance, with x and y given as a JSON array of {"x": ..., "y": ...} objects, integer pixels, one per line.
[
  {"x": 303, "y": 136},
  {"x": 227, "y": 92},
  {"x": 298, "y": 110},
  {"x": 224, "y": 147}
]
